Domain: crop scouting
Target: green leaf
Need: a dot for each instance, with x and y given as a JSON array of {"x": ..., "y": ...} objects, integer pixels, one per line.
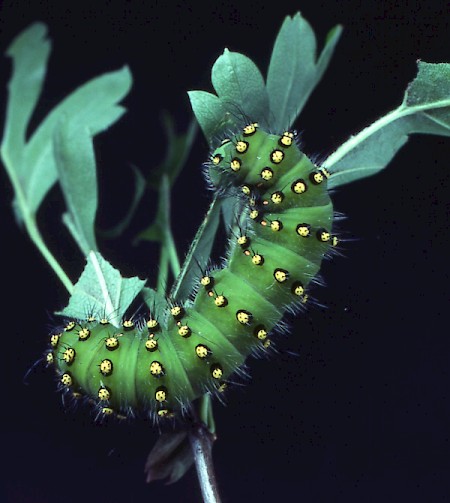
[
  {"x": 425, "y": 109},
  {"x": 93, "y": 106},
  {"x": 75, "y": 162},
  {"x": 293, "y": 70},
  {"x": 331, "y": 41},
  {"x": 102, "y": 290},
  {"x": 240, "y": 86},
  {"x": 431, "y": 86},
  {"x": 210, "y": 113},
  {"x": 31, "y": 165},
  {"x": 241, "y": 94},
  {"x": 29, "y": 52}
]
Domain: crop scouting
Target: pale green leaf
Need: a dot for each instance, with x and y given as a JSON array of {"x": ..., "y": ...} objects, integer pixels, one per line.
[
  {"x": 240, "y": 86},
  {"x": 323, "y": 61},
  {"x": 30, "y": 164},
  {"x": 210, "y": 113},
  {"x": 102, "y": 291},
  {"x": 93, "y": 106},
  {"x": 241, "y": 95},
  {"x": 431, "y": 86},
  {"x": 294, "y": 71},
  {"x": 425, "y": 109},
  {"x": 29, "y": 52},
  {"x": 75, "y": 163}
]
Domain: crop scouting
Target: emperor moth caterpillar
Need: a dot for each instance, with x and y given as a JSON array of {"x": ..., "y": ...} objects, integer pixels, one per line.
[{"x": 159, "y": 367}]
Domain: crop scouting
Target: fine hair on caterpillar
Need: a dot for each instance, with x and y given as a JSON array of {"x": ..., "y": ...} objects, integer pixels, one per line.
[{"x": 156, "y": 366}]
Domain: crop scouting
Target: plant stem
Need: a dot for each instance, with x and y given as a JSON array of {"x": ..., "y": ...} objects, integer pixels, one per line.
[
  {"x": 169, "y": 256},
  {"x": 201, "y": 440},
  {"x": 172, "y": 253},
  {"x": 163, "y": 271},
  {"x": 29, "y": 219},
  {"x": 206, "y": 413},
  {"x": 36, "y": 237},
  {"x": 402, "y": 111}
]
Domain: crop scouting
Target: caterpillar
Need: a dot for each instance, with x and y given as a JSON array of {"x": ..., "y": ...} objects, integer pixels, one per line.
[{"x": 159, "y": 366}]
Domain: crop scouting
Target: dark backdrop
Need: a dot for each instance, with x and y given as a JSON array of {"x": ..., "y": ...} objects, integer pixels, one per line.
[{"x": 356, "y": 405}]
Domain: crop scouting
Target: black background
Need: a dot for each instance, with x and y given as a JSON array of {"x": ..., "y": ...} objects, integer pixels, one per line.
[{"x": 361, "y": 412}]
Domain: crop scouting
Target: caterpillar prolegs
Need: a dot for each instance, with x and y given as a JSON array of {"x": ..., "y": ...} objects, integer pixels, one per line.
[{"x": 158, "y": 367}]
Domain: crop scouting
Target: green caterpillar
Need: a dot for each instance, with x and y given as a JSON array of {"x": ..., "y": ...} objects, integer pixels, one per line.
[{"x": 158, "y": 367}]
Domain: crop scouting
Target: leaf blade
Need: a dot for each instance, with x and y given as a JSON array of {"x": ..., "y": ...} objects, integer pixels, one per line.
[
  {"x": 29, "y": 52},
  {"x": 76, "y": 168},
  {"x": 425, "y": 109},
  {"x": 210, "y": 112},
  {"x": 239, "y": 84},
  {"x": 92, "y": 105},
  {"x": 103, "y": 291},
  {"x": 431, "y": 85},
  {"x": 290, "y": 81}
]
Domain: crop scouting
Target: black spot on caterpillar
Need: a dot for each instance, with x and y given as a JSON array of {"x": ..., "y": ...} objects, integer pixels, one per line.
[{"x": 159, "y": 368}]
